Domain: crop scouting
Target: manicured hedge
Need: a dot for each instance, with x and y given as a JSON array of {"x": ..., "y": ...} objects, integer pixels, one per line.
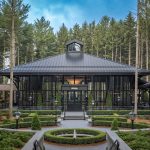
[
  {"x": 42, "y": 112},
  {"x": 41, "y": 118},
  {"x": 98, "y": 136},
  {"x": 121, "y": 124},
  {"x": 109, "y": 118},
  {"x": 27, "y": 124},
  {"x": 120, "y": 112}
]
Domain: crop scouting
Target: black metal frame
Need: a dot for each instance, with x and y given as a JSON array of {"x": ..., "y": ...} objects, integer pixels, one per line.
[{"x": 107, "y": 91}]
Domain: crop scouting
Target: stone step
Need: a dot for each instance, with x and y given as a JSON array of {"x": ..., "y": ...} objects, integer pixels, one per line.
[{"x": 74, "y": 117}]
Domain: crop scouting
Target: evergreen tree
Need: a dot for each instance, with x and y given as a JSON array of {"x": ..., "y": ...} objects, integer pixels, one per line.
[
  {"x": 44, "y": 38},
  {"x": 62, "y": 38},
  {"x": 129, "y": 27}
]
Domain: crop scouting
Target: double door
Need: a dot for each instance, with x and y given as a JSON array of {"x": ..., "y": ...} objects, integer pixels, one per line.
[{"x": 74, "y": 100}]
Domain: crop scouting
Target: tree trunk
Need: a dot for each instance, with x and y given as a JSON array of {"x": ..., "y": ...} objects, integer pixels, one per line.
[
  {"x": 12, "y": 61},
  {"x": 129, "y": 53},
  {"x": 147, "y": 53},
  {"x": 136, "y": 64},
  {"x": 142, "y": 53},
  {"x": 147, "y": 35},
  {"x": 105, "y": 53},
  {"x": 112, "y": 54},
  {"x": 116, "y": 53},
  {"x": 120, "y": 55}
]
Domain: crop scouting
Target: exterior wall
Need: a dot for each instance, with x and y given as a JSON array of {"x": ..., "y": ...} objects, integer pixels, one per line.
[{"x": 105, "y": 91}]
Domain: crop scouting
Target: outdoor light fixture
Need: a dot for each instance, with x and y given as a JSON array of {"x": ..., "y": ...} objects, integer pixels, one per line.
[
  {"x": 92, "y": 110},
  {"x": 56, "y": 104},
  {"x": 17, "y": 115},
  {"x": 132, "y": 117}
]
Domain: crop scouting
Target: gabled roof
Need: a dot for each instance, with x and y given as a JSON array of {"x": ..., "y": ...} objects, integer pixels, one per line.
[
  {"x": 74, "y": 63},
  {"x": 74, "y": 41}
]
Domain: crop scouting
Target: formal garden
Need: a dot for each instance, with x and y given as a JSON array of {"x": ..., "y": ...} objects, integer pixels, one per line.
[{"x": 33, "y": 121}]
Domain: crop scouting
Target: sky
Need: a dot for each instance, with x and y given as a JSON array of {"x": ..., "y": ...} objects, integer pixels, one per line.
[{"x": 71, "y": 12}]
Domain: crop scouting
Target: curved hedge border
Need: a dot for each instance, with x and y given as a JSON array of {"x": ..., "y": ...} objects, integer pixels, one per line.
[
  {"x": 120, "y": 124},
  {"x": 119, "y": 112},
  {"x": 98, "y": 136}
]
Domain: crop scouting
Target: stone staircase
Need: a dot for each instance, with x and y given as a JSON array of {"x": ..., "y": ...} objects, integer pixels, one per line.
[{"x": 74, "y": 115}]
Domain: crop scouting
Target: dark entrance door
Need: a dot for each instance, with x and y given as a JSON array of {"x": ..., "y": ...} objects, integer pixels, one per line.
[{"x": 74, "y": 100}]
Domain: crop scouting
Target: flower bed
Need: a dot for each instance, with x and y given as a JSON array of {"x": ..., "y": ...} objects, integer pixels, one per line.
[
  {"x": 139, "y": 140},
  {"x": 13, "y": 140},
  {"x": 93, "y": 136}
]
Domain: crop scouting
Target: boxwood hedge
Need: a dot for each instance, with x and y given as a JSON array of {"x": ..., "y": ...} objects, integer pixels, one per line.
[
  {"x": 109, "y": 118},
  {"x": 97, "y": 136},
  {"x": 41, "y": 118},
  {"x": 120, "y": 112},
  {"x": 121, "y": 124},
  {"x": 27, "y": 124},
  {"x": 42, "y": 112}
]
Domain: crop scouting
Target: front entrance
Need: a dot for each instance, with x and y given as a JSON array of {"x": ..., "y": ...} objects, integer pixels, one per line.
[
  {"x": 74, "y": 101},
  {"x": 74, "y": 97}
]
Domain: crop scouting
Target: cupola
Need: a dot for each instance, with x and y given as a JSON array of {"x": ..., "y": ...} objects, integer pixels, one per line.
[{"x": 74, "y": 46}]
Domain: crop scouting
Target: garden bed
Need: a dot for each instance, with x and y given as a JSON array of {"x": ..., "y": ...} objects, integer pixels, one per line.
[
  {"x": 13, "y": 140},
  {"x": 58, "y": 136},
  {"x": 137, "y": 140},
  {"x": 25, "y": 120}
]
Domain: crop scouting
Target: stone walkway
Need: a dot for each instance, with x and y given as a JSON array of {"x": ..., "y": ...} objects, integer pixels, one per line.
[{"x": 75, "y": 124}]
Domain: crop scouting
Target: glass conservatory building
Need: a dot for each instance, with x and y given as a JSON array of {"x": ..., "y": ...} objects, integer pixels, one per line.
[{"x": 75, "y": 80}]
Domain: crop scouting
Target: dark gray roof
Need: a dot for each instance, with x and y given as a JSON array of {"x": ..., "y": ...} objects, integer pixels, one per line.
[{"x": 74, "y": 63}]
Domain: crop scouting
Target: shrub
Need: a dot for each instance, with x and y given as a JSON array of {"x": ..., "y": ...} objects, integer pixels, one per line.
[
  {"x": 6, "y": 121},
  {"x": 32, "y": 114},
  {"x": 17, "y": 143},
  {"x": 114, "y": 125},
  {"x": 11, "y": 140},
  {"x": 120, "y": 124},
  {"x": 119, "y": 112},
  {"x": 28, "y": 124},
  {"x": 139, "y": 140},
  {"x": 108, "y": 118},
  {"x": 42, "y": 112},
  {"x": 41, "y": 118},
  {"x": 97, "y": 136},
  {"x": 36, "y": 123}
]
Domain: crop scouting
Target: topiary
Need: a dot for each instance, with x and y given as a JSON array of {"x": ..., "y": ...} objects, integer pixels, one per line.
[
  {"x": 114, "y": 125},
  {"x": 36, "y": 123}
]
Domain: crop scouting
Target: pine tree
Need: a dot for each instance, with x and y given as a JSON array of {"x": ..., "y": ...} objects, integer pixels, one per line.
[
  {"x": 44, "y": 38},
  {"x": 62, "y": 38},
  {"x": 129, "y": 25}
]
